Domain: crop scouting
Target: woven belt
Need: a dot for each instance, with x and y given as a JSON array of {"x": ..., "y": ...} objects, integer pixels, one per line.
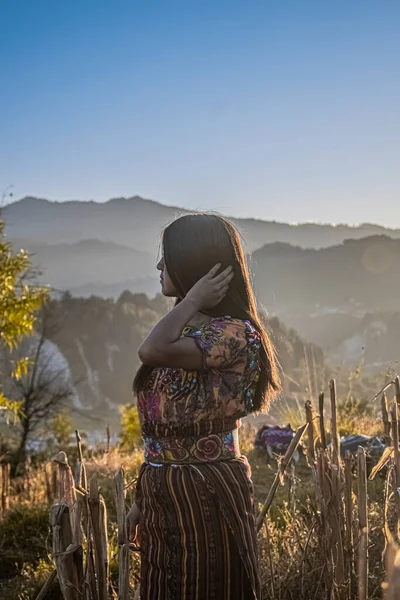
[{"x": 205, "y": 449}]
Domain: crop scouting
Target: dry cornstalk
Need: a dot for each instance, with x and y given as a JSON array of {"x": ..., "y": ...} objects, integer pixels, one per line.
[
  {"x": 108, "y": 434},
  {"x": 66, "y": 493},
  {"x": 396, "y": 450},
  {"x": 5, "y": 487},
  {"x": 385, "y": 414},
  {"x": 80, "y": 471},
  {"x": 67, "y": 556},
  {"x": 335, "y": 513},
  {"x": 363, "y": 525},
  {"x": 348, "y": 509},
  {"x": 47, "y": 480},
  {"x": 47, "y": 586},
  {"x": 281, "y": 470},
  {"x": 98, "y": 520},
  {"x": 83, "y": 502},
  {"x": 321, "y": 400},
  {"x": 310, "y": 430},
  {"x": 123, "y": 541},
  {"x": 323, "y": 491},
  {"x": 336, "y": 523},
  {"x": 334, "y": 431},
  {"x": 397, "y": 390},
  {"x": 392, "y": 585}
]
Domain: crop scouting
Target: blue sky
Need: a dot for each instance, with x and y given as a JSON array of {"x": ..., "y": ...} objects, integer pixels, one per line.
[{"x": 285, "y": 110}]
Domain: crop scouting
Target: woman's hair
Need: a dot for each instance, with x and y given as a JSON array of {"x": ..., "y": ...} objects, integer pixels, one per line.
[{"x": 192, "y": 245}]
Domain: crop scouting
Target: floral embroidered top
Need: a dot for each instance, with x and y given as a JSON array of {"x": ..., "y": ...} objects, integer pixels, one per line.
[{"x": 211, "y": 400}]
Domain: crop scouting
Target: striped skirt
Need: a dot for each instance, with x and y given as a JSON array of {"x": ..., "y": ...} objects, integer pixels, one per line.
[{"x": 197, "y": 532}]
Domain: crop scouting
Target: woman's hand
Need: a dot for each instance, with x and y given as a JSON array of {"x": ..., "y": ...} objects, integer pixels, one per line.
[
  {"x": 132, "y": 524},
  {"x": 211, "y": 289}
]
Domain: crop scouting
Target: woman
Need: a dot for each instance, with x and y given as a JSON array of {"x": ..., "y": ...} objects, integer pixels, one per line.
[{"x": 206, "y": 364}]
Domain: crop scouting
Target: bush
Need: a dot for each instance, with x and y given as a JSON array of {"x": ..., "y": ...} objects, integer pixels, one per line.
[
  {"x": 24, "y": 538},
  {"x": 130, "y": 427},
  {"x": 30, "y": 582}
]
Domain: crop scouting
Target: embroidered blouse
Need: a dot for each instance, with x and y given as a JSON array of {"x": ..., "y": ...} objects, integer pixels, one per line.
[{"x": 200, "y": 401}]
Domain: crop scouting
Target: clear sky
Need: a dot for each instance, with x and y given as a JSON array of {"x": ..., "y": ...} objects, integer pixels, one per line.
[{"x": 285, "y": 110}]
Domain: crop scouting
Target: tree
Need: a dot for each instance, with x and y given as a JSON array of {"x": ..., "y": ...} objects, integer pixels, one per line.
[
  {"x": 61, "y": 428},
  {"x": 45, "y": 389},
  {"x": 19, "y": 302},
  {"x": 130, "y": 427}
]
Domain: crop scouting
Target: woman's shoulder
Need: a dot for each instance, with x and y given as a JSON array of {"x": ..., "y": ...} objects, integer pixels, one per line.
[
  {"x": 225, "y": 340},
  {"x": 230, "y": 326}
]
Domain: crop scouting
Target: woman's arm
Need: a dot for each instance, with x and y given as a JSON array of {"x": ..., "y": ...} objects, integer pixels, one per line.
[{"x": 164, "y": 346}]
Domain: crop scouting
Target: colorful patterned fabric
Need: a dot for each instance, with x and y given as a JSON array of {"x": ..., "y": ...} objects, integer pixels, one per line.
[
  {"x": 223, "y": 388},
  {"x": 198, "y": 535},
  {"x": 183, "y": 450}
]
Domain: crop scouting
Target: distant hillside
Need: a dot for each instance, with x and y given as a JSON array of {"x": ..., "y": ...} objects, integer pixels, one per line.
[
  {"x": 137, "y": 223},
  {"x": 91, "y": 266},
  {"x": 99, "y": 338},
  {"x": 371, "y": 340},
  {"x": 355, "y": 277},
  {"x": 104, "y": 249}
]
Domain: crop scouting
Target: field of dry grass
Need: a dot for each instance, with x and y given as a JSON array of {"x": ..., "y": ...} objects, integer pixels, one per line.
[{"x": 300, "y": 556}]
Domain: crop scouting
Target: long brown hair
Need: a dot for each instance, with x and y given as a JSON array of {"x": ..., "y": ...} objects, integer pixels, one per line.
[{"x": 192, "y": 245}]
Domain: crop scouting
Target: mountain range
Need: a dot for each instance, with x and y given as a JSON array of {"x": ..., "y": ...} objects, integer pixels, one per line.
[
  {"x": 137, "y": 223},
  {"x": 313, "y": 277}
]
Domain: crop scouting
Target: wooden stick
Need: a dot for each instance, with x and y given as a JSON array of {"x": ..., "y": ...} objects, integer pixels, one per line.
[
  {"x": 281, "y": 469},
  {"x": 46, "y": 588},
  {"x": 310, "y": 430},
  {"x": 392, "y": 585},
  {"x": 322, "y": 419},
  {"x": 67, "y": 556},
  {"x": 385, "y": 414},
  {"x": 397, "y": 390},
  {"x": 98, "y": 519},
  {"x": 79, "y": 444},
  {"x": 5, "y": 487},
  {"x": 334, "y": 431},
  {"x": 363, "y": 524},
  {"x": 348, "y": 505},
  {"x": 108, "y": 439},
  {"x": 123, "y": 541},
  {"x": 395, "y": 436}
]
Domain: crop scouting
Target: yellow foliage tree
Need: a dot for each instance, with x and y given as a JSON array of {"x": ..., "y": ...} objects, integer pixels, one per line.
[
  {"x": 130, "y": 427},
  {"x": 19, "y": 302}
]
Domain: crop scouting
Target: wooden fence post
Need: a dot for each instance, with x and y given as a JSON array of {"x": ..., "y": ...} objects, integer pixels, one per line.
[
  {"x": 67, "y": 555},
  {"x": 98, "y": 520},
  {"x": 123, "y": 541},
  {"x": 396, "y": 450},
  {"x": 348, "y": 506},
  {"x": 336, "y": 511},
  {"x": 363, "y": 525}
]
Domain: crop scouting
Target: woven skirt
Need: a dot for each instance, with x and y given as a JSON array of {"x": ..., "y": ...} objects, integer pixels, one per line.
[{"x": 197, "y": 532}]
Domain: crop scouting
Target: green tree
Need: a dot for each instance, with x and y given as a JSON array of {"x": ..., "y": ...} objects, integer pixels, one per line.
[
  {"x": 61, "y": 428},
  {"x": 130, "y": 427},
  {"x": 19, "y": 301}
]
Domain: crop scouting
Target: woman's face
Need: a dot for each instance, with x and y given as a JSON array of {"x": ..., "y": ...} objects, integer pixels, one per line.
[{"x": 167, "y": 287}]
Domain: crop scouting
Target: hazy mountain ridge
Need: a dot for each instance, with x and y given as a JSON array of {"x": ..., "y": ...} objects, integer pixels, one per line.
[
  {"x": 136, "y": 222},
  {"x": 67, "y": 266},
  {"x": 104, "y": 249},
  {"x": 356, "y": 276},
  {"x": 99, "y": 338}
]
